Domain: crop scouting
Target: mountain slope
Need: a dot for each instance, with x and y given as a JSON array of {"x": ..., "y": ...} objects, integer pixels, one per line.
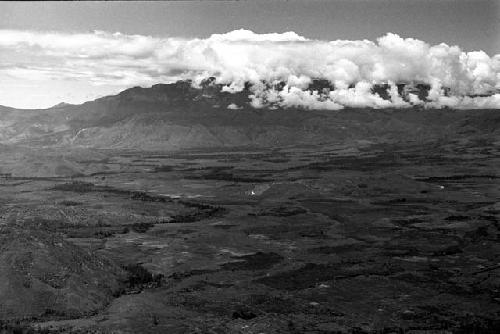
[{"x": 177, "y": 116}]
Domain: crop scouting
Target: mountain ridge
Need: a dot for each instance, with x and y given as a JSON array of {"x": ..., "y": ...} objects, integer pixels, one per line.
[{"x": 179, "y": 115}]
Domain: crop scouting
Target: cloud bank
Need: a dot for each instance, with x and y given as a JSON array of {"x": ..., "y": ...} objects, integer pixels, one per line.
[{"x": 455, "y": 78}]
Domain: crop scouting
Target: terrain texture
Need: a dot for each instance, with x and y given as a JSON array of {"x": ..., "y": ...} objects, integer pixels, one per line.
[{"x": 147, "y": 212}]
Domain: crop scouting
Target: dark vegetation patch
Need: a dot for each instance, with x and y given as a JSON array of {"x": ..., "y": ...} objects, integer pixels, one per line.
[
  {"x": 223, "y": 174},
  {"x": 290, "y": 231},
  {"x": 142, "y": 196},
  {"x": 99, "y": 232},
  {"x": 349, "y": 210},
  {"x": 223, "y": 226},
  {"x": 70, "y": 203},
  {"x": 415, "y": 242},
  {"x": 394, "y": 201},
  {"x": 210, "y": 169},
  {"x": 407, "y": 221},
  {"x": 460, "y": 177},
  {"x": 95, "y": 161},
  {"x": 483, "y": 232},
  {"x": 76, "y": 186},
  {"x": 164, "y": 169},
  {"x": 281, "y": 211},
  {"x": 197, "y": 205},
  {"x": 457, "y": 218},
  {"x": 141, "y": 227},
  {"x": 187, "y": 274},
  {"x": 413, "y": 206},
  {"x": 229, "y": 177},
  {"x": 139, "y": 278},
  {"x": 450, "y": 250},
  {"x": 243, "y": 313},
  {"x": 355, "y": 163},
  {"x": 103, "y": 234},
  {"x": 86, "y": 187},
  {"x": 52, "y": 312},
  {"x": 203, "y": 284},
  {"x": 37, "y": 178},
  {"x": 276, "y": 160},
  {"x": 442, "y": 320},
  {"x": 305, "y": 277},
  {"x": 489, "y": 218},
  {"x": 273, "y": 304},
  {"x": 202, "y": 212},
  {"x": 173, "y": 233},
  {"x": 185, "y": 231},
  {"x": 437, "y": 278},
  {"x": 477, "y": 324},
  {"x": 214, "y": 305},
  {"x": 311, "y": 274},
  {"x": 257, "y": 261},
  {"x": 472, "y": 205},
  {"x": 334, "y": 249}
]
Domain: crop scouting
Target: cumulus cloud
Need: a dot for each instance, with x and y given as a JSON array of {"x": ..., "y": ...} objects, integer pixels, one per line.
[{"x": 456, "y": 78}]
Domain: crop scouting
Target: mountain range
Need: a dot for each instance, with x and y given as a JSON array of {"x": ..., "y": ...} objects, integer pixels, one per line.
[{"x": 179, "y": 115}]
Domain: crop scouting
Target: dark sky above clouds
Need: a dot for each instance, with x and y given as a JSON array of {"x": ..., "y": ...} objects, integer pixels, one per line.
[{"x": 50, "y": 51}]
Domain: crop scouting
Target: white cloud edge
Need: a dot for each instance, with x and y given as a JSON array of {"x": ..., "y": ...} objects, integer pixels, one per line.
[{"x": 240, "y": 56}]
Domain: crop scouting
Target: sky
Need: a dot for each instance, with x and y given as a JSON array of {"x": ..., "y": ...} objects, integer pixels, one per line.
[{"x": 53, "y": 52}]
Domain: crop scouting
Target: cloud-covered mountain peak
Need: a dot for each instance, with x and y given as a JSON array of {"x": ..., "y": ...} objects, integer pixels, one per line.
[{"x": 236, "y": 58}]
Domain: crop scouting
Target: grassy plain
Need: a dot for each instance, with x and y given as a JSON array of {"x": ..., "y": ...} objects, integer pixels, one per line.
[{"x": 360, "y": 237}]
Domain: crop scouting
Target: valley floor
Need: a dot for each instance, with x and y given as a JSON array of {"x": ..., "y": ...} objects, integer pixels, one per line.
[{"x": 353, "y": 238}]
